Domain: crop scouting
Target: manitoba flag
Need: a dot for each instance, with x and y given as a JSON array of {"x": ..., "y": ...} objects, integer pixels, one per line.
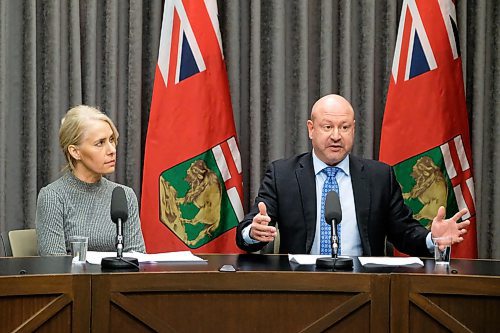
[
  {"x": 425, "y": 132},
  {"x": 192, "y": 185}
]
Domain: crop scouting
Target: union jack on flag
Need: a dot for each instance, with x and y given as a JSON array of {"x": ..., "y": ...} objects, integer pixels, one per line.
[
  {"x": 419, "y": 53},
  {"x": 176, "y": 26}
]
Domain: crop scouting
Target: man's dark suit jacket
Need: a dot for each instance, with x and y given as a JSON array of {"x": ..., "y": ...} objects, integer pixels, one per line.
[{"x": 289, "y": 192}]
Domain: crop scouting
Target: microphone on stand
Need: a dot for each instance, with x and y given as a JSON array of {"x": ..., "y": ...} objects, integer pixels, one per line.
[
  {"x": 119, "y": 215},
  {"x": 333, "y": 216}
]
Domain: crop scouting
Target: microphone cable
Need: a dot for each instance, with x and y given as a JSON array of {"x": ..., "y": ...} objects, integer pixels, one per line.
[{"x": 130, "y": 263}]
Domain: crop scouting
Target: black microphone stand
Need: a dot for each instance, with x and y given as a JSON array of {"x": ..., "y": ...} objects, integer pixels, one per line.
[
  {"x": 334, "y": 262},
  {"x": 119, "y": 262}
]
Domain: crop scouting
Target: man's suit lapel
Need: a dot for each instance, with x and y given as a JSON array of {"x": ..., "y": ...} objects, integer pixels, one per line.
[
  {"x": 307, "y": 187},
  {"x": 362, "y": 200}
]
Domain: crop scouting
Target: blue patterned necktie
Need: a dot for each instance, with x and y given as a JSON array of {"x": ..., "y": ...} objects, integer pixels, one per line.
[{"x": 329, "y": 185}]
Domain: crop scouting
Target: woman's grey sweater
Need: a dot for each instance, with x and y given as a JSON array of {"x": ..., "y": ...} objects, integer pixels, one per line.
[{"x": 71, "y": 207}]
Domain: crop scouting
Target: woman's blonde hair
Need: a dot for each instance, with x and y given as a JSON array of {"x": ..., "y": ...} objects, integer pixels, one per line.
[{"x": 73, "y": 127}]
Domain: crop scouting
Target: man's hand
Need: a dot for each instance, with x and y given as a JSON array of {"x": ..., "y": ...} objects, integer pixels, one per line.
[
  {"x": 260, "y": 230},
  {"x": 450, "y": 228}
]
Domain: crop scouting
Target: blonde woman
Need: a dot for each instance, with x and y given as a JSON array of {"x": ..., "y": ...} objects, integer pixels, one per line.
[{"x": 79, "y": 202}]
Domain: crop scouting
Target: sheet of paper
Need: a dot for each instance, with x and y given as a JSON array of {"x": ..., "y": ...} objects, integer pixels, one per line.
[
  {"x": 180, "y": 256},
  {"x": 390, "y": 261},
  {"x": 310, "y": 259},
  {"x": 305, "y": 259}
]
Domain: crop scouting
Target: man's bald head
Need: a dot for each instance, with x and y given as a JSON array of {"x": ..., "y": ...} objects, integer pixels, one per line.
[{"x": 331, "y": 102}]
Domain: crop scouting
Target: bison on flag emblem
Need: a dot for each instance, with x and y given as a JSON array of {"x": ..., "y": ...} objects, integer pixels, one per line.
[
  {"x": 192, "y": 203},
  {"x": 437, "y": 179}
]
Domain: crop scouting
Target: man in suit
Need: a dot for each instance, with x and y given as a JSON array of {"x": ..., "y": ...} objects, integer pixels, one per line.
[{"x": 373, "y": 208}]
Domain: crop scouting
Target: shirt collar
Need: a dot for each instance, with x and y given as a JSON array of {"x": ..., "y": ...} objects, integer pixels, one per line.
[{"x": 320, "y": 165}]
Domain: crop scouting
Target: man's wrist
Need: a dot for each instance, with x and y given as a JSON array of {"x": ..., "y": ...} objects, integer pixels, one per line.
[{"x": 429, "y": 242}]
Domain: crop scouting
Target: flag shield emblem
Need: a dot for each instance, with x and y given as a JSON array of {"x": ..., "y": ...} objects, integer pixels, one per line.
[
  {"x": 194, "y": 203},
  {"x": 434, "y": 181},
  {"x": 427, "y": 187}
]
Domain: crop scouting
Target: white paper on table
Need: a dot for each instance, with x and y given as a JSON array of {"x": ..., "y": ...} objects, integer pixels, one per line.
[
  {"x": 390, "y": 261},
  {"x": 305, "y": 259},
  {"x": 94, "y": 257}
]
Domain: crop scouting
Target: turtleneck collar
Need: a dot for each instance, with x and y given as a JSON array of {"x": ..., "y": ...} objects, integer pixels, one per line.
[{"x": 81, "y": 185}]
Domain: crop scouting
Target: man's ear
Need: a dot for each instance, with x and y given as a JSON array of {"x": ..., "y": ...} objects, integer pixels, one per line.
[
  {"x": 74, "y": 152},
  {"x": 310, "y": 126}
]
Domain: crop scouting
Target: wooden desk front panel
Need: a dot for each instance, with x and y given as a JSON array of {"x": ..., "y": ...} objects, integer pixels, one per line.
[
  {"x": 423, "y": 303},
  {"x": 45, "y": 303},
  {"x": 240, "y": 302}
]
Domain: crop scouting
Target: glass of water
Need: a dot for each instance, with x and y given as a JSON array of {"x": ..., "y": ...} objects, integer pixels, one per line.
[
  {"x": 442, "y": 250},
  {"x": 78, "y": 246}
]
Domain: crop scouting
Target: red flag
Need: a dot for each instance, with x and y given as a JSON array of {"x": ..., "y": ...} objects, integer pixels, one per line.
[
  {"x": 192, "y": 186},
  {"x": 425, "y": 132}
]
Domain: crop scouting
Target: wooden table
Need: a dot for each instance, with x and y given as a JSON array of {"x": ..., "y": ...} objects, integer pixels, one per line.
[{"x": 266, "y": 293}]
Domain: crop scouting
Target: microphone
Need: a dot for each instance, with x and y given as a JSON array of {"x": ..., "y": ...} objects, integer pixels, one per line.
[
  {"x": 119, "y": 215},
  {"x": 333, "y": 217}
]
